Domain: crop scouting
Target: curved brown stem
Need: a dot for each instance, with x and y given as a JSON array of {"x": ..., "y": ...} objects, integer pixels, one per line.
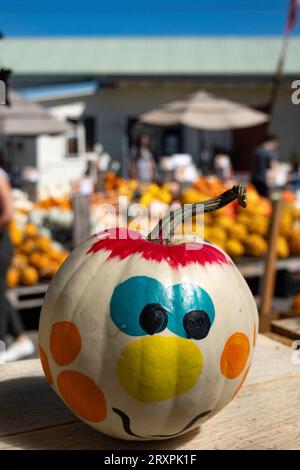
[{"x": 167, "y": 226}]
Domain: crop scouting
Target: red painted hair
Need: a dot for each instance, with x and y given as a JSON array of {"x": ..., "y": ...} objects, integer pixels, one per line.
[{"x": 122, "y": 243}]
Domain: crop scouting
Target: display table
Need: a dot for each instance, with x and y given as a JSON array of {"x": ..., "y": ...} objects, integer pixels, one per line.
[
  {"x": 265, "y": 415},
  {"x": 255, "y": 267}
]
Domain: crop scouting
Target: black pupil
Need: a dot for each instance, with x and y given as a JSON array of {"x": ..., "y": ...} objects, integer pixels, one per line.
[
  {"x": 196, "y": 324},
  {"x": 153, "y": 318}
]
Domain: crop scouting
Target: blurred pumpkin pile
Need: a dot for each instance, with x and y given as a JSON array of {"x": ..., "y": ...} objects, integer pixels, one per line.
[
  {"x": 156, "y": 200},
  {"x": 155, "y": 193},
  {"x": 296, "y": 303},
  {"x": 244, "y": 232},
  {"x": 62, "y": 203},
  {"x": 37, "y": 257},
  {"x": 123, "y": 187}
]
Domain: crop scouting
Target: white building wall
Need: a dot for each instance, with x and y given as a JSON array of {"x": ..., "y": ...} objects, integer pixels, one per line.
[
  {"x": 112, "y": 106},
  {"x": 52, "y": 163}
]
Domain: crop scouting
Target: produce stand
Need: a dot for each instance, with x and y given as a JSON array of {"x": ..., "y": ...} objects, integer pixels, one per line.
[
  {"x": 37, "y": 418},
  {"x": 26, "y": 297},
  {"x": 245, "y": 234}
]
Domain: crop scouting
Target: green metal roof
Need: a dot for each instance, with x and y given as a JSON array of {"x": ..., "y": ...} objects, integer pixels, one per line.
[{"x": 148, "y": 56}]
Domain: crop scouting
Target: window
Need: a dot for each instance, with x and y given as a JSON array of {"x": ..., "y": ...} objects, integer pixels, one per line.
[
  {"x": 74, "y": 138},
  {"x": 89, "y": 127},
  {"x": 172, "y": 140},
  {"x": 80, "y": 136}
]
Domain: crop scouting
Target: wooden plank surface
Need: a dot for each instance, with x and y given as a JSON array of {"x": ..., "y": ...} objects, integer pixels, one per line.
[{"x": 265, "y": 414}]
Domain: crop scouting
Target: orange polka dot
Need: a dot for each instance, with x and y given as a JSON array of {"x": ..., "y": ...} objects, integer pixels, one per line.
[
  {"x": 254, "y": 335},
  {"x": 235, "y": 355},
  {"x": 241, "y": 382},
  {"x": 65, "y": 342},
  {"x": 45, "y": 365},
  {"x": 82, "y": 395}
]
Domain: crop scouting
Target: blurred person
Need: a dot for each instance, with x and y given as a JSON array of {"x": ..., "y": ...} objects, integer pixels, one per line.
[
  {"x": 10, "y": 322},
  {"x": 222, "y": 164},
  {"x": 142, "y": 164},
  {"x": 265, "y": 159}
]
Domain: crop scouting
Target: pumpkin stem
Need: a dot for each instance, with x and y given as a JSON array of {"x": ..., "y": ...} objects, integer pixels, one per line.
[{"x": 167, "y": 226}]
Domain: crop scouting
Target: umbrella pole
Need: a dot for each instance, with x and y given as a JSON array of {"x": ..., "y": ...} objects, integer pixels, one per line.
[
  {"x": 125, "y": 150},
  {"x": 277, "y": 78},
  {"x": 204, "y": 152}
]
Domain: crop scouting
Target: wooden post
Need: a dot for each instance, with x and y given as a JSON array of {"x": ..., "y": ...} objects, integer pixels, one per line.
[
  {"x": 31, "y": 189},
  {"x": 270, "y": 264},
  {"x": 100, "y": 181},
  {"x": 81, "y": 223}
]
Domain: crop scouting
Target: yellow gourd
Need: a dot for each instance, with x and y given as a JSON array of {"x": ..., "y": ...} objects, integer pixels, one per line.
[
  {"x": 294, "y": 242},
  {"x": 238, "y": 231},
  {"x": 283, "y": 250},
  {"x": 256, "y": 245},
  {"x": 234, "y": 248}
]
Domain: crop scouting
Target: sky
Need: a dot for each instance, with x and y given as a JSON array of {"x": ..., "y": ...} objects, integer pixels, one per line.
[{"x": 143, "y": 17}]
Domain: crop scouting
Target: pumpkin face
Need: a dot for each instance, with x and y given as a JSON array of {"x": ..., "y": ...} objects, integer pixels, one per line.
[{"x": 147, "y": 341}]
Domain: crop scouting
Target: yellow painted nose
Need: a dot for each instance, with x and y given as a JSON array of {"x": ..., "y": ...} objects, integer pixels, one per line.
[{"x": 156, "y": 368}]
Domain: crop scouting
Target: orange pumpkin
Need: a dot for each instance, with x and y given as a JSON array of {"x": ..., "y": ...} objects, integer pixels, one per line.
[
  {"x": 15, "y": 234},
  {"x": 19, "y": 260},
  {"x": 30, "y": 230},
  {"x": 52, "y": 268},
  {"x": 43, "y": 243},
  {"x": 29, "y": 276},
  {"x": 28, "y": 246},
  {"x": 12, "y": 277}
]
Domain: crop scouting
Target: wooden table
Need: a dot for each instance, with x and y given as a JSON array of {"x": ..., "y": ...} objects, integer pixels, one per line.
[{"x": 265, "y": 415}]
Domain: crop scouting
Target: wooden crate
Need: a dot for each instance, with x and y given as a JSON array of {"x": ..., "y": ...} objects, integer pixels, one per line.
[
  {"x": 289, "y": 327},
  {"x": 26, "y": 297}
]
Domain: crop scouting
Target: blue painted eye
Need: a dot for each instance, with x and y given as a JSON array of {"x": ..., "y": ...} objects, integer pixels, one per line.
[
  {"x": 142, "y": 305},
  {"x": 139, "y": 306},
  {"x": 187, "y": 299}
]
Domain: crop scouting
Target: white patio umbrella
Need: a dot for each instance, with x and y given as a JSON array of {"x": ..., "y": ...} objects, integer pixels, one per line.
[
  {"x": 203, "y": 110},
  {"x": 24, "y": 118}
]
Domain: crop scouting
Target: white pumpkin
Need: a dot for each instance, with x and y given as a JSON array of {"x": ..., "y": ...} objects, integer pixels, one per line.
[{"x": 144, "y": 340}]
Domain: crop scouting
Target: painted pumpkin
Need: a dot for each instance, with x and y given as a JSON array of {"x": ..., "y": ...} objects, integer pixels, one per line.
[{"x": 145, "y": 339}]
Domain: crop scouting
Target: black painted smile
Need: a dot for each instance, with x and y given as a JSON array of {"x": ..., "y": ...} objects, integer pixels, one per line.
[{"x": 127, "y": 426}]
